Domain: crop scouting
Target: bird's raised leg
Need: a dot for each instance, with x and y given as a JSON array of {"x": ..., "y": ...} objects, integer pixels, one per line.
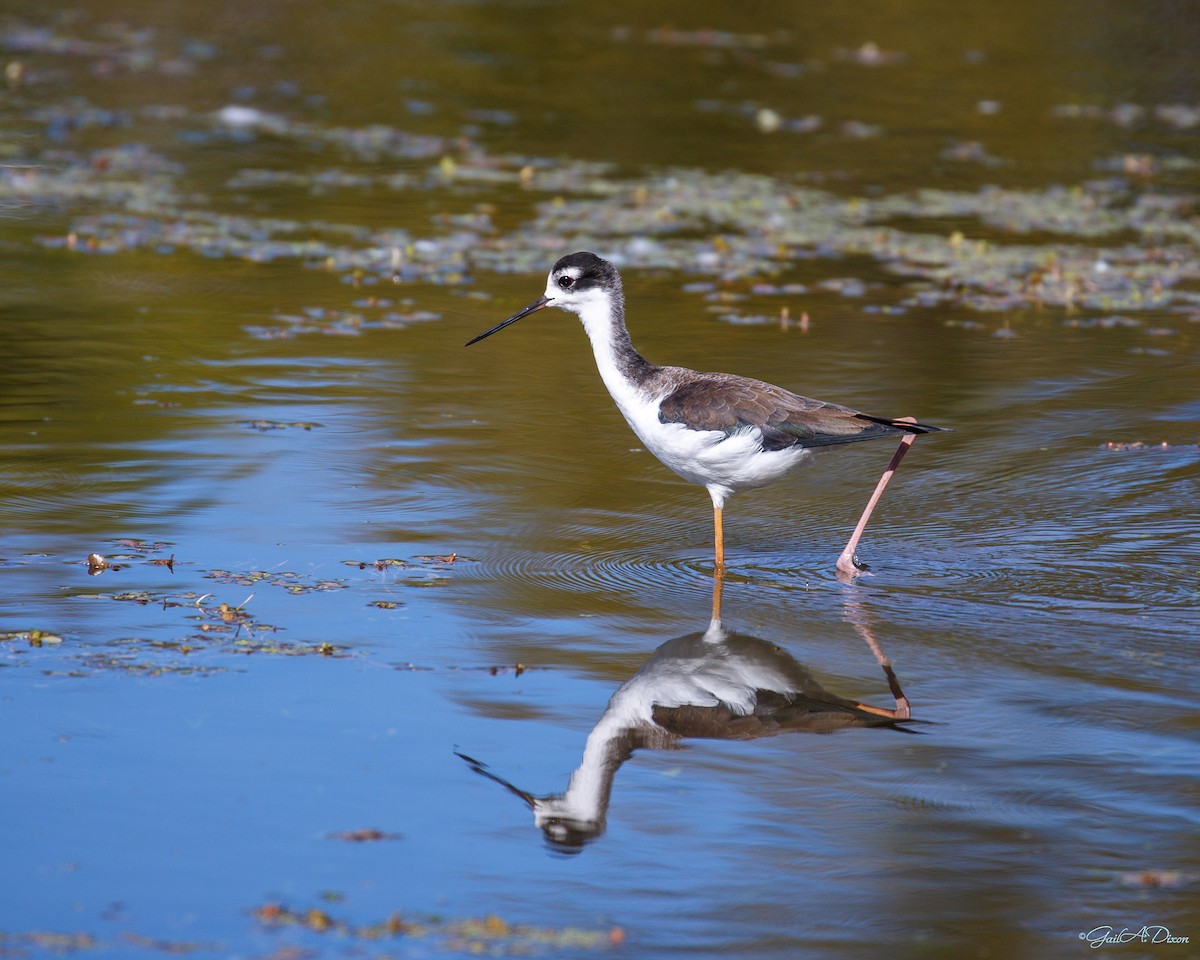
[{"x": 848, "y": 562}]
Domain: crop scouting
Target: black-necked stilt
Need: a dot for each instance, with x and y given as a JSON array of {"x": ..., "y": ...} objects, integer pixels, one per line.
[{"x": 724, "y": 432}]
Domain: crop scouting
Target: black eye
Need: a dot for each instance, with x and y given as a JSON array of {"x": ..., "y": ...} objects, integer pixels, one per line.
[{"x": 566, "y": 282}]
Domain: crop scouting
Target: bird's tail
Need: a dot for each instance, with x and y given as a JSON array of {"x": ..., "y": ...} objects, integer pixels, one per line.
[{"x": 908, "y": 426}]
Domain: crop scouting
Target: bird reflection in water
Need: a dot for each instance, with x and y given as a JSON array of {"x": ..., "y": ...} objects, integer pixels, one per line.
[{"x": 714, "y": 684}]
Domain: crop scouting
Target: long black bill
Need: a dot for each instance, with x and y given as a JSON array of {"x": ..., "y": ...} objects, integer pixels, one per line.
[
  {"x": 483, "y": 771},
  {"x": 538, "y": 304}
]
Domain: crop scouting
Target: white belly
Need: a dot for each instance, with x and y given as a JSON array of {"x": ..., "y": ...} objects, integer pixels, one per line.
[{"x": 724, "y": 463}]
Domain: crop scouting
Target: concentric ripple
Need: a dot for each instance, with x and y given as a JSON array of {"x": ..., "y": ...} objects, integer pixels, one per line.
[{"x": 622, "y": 571}]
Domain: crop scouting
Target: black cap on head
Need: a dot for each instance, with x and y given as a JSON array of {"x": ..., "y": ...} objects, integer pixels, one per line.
[{"x": 589, "y": 269}]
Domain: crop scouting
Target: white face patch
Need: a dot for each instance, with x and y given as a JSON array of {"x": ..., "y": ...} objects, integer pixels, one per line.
[
  {"x": 554, "y": 289},
  {"x": 576, "y": 301}
]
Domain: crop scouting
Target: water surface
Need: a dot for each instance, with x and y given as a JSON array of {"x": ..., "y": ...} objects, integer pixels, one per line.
[{"x": 342, "y": 548}]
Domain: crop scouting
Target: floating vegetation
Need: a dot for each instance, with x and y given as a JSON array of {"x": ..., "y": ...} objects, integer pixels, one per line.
[
  {"x": 870, "y": 54},
  {"x": 131, "y": 549},
  {"x": 97, "y": 564},
  {"x": 169, "y": 947},
  {"x": 34, "y": 638},
  {"x": 705, "y": 39},
  {"x": 215, "y": 628},
  {"x": 384, "y": 564},
  {"x": 752, "y": 319},
  {"x": 143, "y": 658},
  {"x": 210, "y": 627},
  {"x": 1109, "y": 245},
  {"x": 490, "y": 935},
  {"x": 859, "y": 130},
  {"x": 265, "y": 426},
  {"x": 420, "y": 568},
  {"x": 319, "y": 320},
  {"x": 766, "y": 119},
  {"x": 1151, "y": 878},
  {"x": 779, "y": 290},
  {"x": 1108, "y": 322},
  {"x": 365, "y": 836},
  {"x": 846, "y": 286},
  {"x": 1142, "y": 445},
  {"x": 1177, "y": 116},
  {"x": 970, "y": 151},
  {"x": 291, "y": 582},
  {"x": 434, "y": 558},
  {"x": 51, "y": 941},
  {"x": 134, "y": 596}
]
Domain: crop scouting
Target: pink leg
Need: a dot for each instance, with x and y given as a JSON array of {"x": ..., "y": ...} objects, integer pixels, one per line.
[{"x": 848, "y": 562}]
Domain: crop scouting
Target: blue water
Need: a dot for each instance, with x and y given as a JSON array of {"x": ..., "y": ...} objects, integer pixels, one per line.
[{"x": 386, "y": 550}]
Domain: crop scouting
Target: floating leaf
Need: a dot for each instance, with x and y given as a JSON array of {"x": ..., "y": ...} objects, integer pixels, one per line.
[{"x": 365, "y": 836}]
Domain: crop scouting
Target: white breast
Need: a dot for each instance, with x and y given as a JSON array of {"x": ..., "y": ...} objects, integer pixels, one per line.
[{"x": 724, "y": 463}]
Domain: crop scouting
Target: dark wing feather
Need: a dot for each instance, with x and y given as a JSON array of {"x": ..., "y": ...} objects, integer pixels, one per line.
[
  {"x": 774, "y": 713},
  {"x": 718, "y": 401}
]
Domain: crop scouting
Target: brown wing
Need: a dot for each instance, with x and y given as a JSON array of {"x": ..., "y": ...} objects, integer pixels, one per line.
[{"x": 718, "y": 401}]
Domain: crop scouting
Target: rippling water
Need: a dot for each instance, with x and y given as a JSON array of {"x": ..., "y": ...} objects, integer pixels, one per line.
[{"x": 343, "y": 552}]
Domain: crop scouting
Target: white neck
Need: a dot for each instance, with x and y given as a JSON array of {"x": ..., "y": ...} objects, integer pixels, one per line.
[
  {"x": 621, "y": 367},
  {"x": 601, "y": 327}
]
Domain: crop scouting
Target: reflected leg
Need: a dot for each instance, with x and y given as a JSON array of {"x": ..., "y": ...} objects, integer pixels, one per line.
[
  {"x": 718, "y": 587},
  {"x": 857, "y": 616}
]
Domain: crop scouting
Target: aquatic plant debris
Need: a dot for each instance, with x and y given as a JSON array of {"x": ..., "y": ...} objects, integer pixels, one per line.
[
  {"x": 1125, "y": 445},
  {"x": 372, "y": 315},
  {"x": 209, "y": 628},
  {"x": 366, "y": 835},
  {"x": 490, "y": 934},
  {"x": 35, "y": 638},
  {"x": 213, "y": 631},
  {"x": 290, "y": 581},
  {"x": 1114, "y": 244},
  {"x": 761, "y": 223},
  {"x": 265, "y": 426},
  {"x": 97, "y": 564}
]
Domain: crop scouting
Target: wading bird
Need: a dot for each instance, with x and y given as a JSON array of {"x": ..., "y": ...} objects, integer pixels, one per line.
[{"x": 724, "y": 432}]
